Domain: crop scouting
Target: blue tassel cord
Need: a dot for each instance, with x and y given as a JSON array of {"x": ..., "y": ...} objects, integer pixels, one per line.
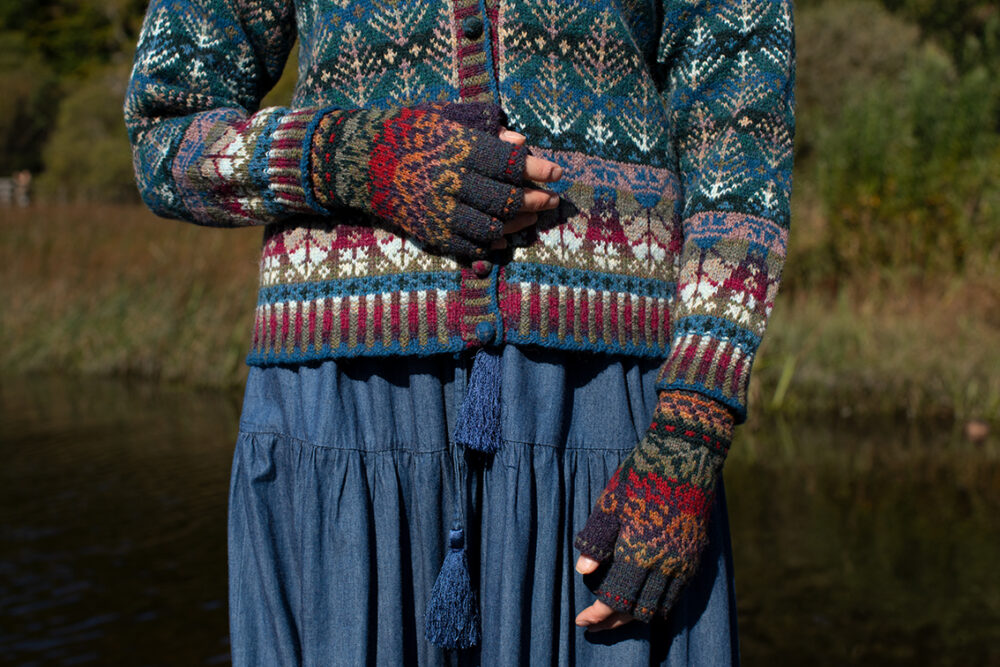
[
  {"x": 452, "y": 617},
  {"x": 478, "y": 424}
]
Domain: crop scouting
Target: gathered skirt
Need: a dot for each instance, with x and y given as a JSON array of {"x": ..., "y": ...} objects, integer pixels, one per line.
[{"x": 346, "y": 482}]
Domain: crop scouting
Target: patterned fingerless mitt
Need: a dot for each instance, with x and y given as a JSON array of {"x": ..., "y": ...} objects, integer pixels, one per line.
[
  {"x": 438, "y": 172},
  {"x": 651, "y": 520}
]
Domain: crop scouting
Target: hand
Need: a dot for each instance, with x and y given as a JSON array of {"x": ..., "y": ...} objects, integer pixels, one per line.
[
  {"x": 431, "y": 171},
  {"x": 650, "y": 521},
  {"x": 598, "y": 616},
  {"x": 535, "y": 200}
]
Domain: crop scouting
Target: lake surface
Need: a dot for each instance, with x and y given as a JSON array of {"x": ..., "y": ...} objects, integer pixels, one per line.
[{"x": 855, "y": 543}]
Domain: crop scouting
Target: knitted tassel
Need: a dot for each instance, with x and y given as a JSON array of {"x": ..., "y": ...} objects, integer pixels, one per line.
[
  {"x": 452, "y": 618},
  {"x": 478, "y": 425}
]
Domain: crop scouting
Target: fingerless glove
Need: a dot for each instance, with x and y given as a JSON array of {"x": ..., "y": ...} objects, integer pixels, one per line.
[
  {"x": 436, "y": 171},
  {"x": 651, "y": 518}
]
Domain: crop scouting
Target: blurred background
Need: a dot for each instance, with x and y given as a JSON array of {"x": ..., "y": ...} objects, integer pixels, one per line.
[{"x": 864, "y": 490}]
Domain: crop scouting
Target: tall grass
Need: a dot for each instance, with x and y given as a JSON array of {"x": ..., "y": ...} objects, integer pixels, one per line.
[
  {"x": 113, "y": 290},
  {"x": 914, "y": 353}
]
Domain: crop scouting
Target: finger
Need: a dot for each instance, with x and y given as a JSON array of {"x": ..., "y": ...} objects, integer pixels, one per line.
[
  {"x": 599, "y": 535},
  {"x": 495, "y": 158},
  {"x": 495, "y": 198},
  {"x": 586, "y": 565},
  {"x": 616, "y": 620},
  {"x": 499, "y": 244},
  {"x": 539, "y": 200},
  {"x": 595, "y": 613},
  {"x": 538, "y": 169},
  {"x": 462, "y": 247},
  {"x": 511, "y": 136},
  {"x": 519, "y": 222},
  {"x": 476, "y": 226},
  {"x": 651, "y": 596}
]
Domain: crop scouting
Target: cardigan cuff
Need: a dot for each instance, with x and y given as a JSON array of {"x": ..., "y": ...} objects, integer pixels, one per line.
[
  {"x": 716, "y": 366},
  {"x": 289, "y": 169}
]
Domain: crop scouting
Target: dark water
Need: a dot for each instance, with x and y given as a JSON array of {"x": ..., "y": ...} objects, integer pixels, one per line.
[{"x": 855, "y": 543}]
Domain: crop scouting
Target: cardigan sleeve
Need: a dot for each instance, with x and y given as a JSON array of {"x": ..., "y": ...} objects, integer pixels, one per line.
[
  {"x": 202, "y": 149},
  {"x": 728, "y": 68}
]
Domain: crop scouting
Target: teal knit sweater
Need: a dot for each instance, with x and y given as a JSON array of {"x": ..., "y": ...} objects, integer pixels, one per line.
[{"x": 672, "y": 120}]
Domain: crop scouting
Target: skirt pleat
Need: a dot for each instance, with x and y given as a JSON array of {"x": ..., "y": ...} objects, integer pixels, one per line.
[{"x": 345, "y": 483}]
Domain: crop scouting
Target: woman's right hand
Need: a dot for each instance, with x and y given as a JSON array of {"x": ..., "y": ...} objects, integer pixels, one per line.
[{"x": 446, "y": 183}]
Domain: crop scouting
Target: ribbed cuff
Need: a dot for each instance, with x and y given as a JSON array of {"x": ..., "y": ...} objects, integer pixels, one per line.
[
  {"x": 718, "y": 368},
  {"x": 289, "y": 168}
]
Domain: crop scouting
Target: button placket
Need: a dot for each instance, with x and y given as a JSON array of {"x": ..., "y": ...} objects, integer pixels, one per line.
[{"x": 470, "y": 28}]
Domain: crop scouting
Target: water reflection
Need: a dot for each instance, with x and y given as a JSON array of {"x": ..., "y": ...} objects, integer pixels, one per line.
[
  {"x": 112, "y": 523},
  {"x": 856, "y": 543},
  {"x": 866, "y": 544}
]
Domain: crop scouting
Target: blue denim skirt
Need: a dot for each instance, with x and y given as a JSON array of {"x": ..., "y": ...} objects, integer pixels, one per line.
[{"x": 345, "y": 484}]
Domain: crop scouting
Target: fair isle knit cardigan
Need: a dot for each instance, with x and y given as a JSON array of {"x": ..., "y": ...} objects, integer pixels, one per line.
[{"x": 672, "y": 121}]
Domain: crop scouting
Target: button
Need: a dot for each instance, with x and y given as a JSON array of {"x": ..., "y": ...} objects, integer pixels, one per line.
[
  {"x": 472, "y": 27},
  {"x": 485, "y": 331},
  {"x": 482, "y": 267}
]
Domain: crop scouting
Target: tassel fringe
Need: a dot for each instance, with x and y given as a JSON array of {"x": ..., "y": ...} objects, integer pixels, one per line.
[
  {"x": 452, "y": 618},
  {"x": 478, "y": 425}
]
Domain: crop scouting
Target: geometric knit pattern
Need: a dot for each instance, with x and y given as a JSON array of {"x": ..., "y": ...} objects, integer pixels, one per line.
[
  {"x": 652, "y": 516},
  {"x": 672, "y": 122},
  {"x": 448, "y": 186},
  {"x": 731, "y": 94}
]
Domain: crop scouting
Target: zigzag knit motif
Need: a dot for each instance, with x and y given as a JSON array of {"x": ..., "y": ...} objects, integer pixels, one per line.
[
  {"x": 672, "y": 121},
  {"x": 652, "y": 516}
]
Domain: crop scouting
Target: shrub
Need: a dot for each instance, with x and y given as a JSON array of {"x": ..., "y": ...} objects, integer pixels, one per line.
[
  {"x": 908, "y": 172},
  {"x": 87, "y": 155},
  {"x": 898, "y": 149},
  {"x": 26, "y": 105}
]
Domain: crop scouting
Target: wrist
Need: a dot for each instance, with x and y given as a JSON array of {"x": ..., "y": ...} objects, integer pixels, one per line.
[
  {"x": 693, "y": 418},
  {"x": 340, "y": 150}
]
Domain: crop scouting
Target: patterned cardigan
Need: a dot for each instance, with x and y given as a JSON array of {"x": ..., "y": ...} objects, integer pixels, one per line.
[{"x": 672, "y": 120}]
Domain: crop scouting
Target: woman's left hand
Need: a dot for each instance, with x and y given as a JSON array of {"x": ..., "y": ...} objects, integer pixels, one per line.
[{"x": 598, "y": 616}]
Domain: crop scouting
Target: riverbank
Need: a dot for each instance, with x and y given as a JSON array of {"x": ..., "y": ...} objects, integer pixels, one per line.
[{"x": 116, "y": 291}]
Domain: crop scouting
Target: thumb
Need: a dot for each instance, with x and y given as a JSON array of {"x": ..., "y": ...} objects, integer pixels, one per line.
[
  {"x": 586, "y": 565},
  {"x": 512, "y": 136}
]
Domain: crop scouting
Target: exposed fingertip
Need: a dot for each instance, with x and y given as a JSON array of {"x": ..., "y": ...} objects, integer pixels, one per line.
[
  {"x": 557, "y": 172},
  {"x": 586, "y": 565}
]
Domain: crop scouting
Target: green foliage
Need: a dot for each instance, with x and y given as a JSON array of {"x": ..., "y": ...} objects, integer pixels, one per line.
[
  {"x": 281, "y": 94},
  {"x": 909, "y": 174},
  {"x": 27, "y": 105},
  {"x": 841, "y": 47},
  {"x": 75, "y": 35},
  {"x": 900, "y": 148},
  {"x": 87, "y": 155},
  {"x": 969, "y": 30}
]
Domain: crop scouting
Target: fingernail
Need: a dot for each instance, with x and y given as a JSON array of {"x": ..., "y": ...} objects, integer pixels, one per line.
[
  {"x": 557, "y": 172},
  {"x": 511, "y": 135},
  {"x": 553, "y": 200}
]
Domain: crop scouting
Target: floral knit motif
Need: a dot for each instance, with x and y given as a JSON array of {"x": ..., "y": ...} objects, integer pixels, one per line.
[
  {"x": 446, "y": 185},
  {"x": 652, "y": 516},
  {"x": 672, "y": 121}
]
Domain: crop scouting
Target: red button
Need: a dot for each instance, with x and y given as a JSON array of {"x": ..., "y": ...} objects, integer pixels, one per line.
[{"x": 482, "y": 267}]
